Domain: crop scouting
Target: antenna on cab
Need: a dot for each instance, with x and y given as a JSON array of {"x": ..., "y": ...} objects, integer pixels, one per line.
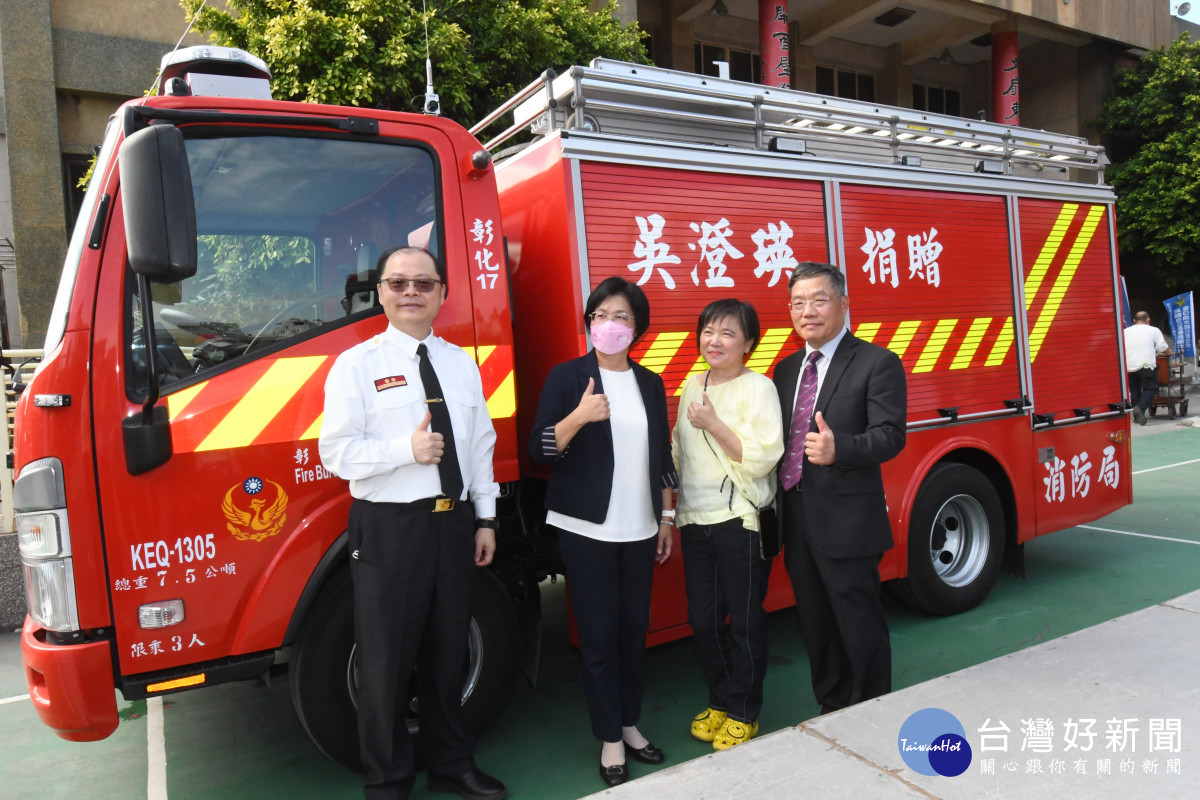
[{"x": 432, "y": 104}]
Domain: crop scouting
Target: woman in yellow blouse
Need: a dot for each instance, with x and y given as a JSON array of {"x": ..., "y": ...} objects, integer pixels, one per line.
[{"x": 727, "y": 441}]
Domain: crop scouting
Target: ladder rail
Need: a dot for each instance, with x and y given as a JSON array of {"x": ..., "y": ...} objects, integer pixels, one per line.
[{"x": 645, "y": 99}]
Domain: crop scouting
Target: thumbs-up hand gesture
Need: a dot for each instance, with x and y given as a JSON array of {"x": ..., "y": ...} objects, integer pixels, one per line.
[
  {"x": 819, "y": 444},
  {"x": 592, "y": 407},
  {"x": 702, "y": 415},
  {"x": 427, "y": 446}
]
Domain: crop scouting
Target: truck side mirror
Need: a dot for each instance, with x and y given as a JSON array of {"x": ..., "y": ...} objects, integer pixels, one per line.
[{"x": 160, "y": 213}]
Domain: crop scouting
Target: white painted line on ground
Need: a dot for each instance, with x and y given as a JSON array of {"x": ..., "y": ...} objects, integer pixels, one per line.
[
  {"x": 156, "y": 751},
  {"x": 1167, "y": 466},
  {"x": 16, "y": 699},
  {"x": 1141, "y": 535}
]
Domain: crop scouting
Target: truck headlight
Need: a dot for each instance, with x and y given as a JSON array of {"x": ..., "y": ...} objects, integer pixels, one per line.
[
  {"x": 40, "y": 534},
  {"x": 44, "y": 539},
  {"x": 50, "y": 594}
]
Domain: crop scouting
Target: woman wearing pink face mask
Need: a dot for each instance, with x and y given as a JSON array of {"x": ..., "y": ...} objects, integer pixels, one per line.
[{"x": 602, "y": 427}]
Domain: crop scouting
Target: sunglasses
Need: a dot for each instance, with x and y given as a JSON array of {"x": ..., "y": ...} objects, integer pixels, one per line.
[{"x": 422, "y": 285}]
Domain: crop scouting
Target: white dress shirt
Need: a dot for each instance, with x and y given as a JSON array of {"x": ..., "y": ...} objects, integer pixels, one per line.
[
  {"x": 827, "y": 351},
  {"x": 374, "y": 401}
]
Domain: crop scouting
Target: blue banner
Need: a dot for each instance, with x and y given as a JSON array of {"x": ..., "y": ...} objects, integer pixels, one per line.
[
  {"x": 1126, "y": 313},
  {"x": 1183, "y": 323}
]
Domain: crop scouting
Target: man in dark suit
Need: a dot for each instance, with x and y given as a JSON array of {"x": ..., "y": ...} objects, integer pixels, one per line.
[{"x": 843, "y": 404}]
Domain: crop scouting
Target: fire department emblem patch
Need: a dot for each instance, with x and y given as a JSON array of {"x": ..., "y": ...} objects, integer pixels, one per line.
[{"x": 255, "y": 509}]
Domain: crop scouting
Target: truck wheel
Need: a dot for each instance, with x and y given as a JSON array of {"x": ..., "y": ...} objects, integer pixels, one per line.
[
  {"x": 323, "y": 667},
  {"x": 955, "y": 541}
]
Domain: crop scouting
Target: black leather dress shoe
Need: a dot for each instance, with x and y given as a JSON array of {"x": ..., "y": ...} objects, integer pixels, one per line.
[
  {"x": 615, "y": 775},
  {"x": 473, "y": 785},
  {"x": 650, "y": 754}
]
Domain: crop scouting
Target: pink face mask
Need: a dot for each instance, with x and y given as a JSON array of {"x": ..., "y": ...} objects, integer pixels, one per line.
[{"x": 611, "y": 337}]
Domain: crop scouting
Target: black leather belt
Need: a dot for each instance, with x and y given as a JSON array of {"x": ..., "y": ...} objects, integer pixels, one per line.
[{"x": 434, "y": 504}]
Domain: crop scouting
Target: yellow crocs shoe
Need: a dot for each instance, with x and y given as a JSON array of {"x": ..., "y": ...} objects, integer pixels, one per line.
[
  {"x": 708, "y": 724},
  {"x": 734, "y": 732}
]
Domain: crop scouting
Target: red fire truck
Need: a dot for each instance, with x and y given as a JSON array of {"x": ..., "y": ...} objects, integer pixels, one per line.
[{"x": 175, "y": 522}]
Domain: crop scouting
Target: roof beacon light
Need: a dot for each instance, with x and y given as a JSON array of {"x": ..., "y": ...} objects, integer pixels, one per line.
[{"x": 215, "y": 72}]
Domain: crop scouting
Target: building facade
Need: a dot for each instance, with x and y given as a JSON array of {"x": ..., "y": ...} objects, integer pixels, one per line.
[{"x": 66, "y": 66}]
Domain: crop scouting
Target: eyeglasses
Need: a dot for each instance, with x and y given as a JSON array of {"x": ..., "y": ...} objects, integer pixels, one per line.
[
  {"x": 422, "y": 285},
  {"x": 621, "y": 317},
  {"x": 817, "y": 303}
]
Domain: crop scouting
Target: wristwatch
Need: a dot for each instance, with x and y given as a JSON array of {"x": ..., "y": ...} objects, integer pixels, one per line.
[
  {"x": 668, "y": 516},
  {"x": 487, "y": 523}
]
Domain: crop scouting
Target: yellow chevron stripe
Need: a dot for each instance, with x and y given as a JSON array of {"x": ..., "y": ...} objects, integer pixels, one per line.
[
  {"x": 483, "y": 352},
  {"x": 178, "y": 401},
  {"x": 768, "y": 348},
  {"x": 905, "y": 332},
  {"x": 665, "y": 346},
  {"x": 314, "y": 430},
  {"x": 935, "y": 345},
  {"x": 502, "y": 403},
  {"x": 867, "y": 331},
  {"x": 1004, "y": 340},
  {"x": 699, "y": 366},
  {"x": 1049, "y": 250},
  {"x": 1063, "y": 281},
  {"x": 259, "y": 406},
  {"x": 970, "y": 343}
]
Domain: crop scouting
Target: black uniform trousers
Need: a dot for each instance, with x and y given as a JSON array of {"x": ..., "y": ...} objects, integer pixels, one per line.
[
  {"x": 841, "y": 617},
  {"x": 726, "y": 576},
  {"x": 412, "y": 570},
  {"x": 609, "y": 585}
]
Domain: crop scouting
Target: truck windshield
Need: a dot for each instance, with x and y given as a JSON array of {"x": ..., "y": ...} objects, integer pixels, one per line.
[{"x": 289, "y": 230}]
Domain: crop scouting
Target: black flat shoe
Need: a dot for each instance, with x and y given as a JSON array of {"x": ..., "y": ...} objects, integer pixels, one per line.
[
  {"x": 615, "y": 775},
  {"x": 650, "y": 754}
]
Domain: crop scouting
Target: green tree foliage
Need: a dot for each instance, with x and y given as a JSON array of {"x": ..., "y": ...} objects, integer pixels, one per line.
[
  {"x": 372, "y": 52},
  {"x": 1152, "y": 117}
]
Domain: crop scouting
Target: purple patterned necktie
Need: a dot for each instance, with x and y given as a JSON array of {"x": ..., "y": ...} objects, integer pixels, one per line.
[{"x": 806, "y": 399}]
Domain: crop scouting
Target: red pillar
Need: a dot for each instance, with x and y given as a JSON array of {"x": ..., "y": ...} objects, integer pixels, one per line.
[
  {"x": 1006, "y": 97},
  {"x": 773, "y": 43}
]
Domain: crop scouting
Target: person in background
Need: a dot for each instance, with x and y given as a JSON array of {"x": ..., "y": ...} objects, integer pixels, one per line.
[
  {"x": 844, "y": 405},
  {"x": 406, "y": 423},
  {"x": 728, "y": 438},
  {"x": 1143, "y": 343},
  {"x": 602, "y": 427}
]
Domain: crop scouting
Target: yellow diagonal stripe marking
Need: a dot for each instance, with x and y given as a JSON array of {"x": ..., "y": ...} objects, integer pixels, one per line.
[
  {"x": 699, "y": 366},
  {"x": 259, "y": 406},
  {"x": 905, "y": 332},
  {"x": 867, "y": 331},
  {"x": 935, "y": 345},
  {"x": 177, "y": 402},
  {"x": 665, "y": 346},
  {"x": 1063, "y": 281},
  {"x": 1049, "y": 250},
  {"x": 768, "y": 349},
  {"x": 314, "y": 430},
  {"x": 970, "y": 344},
  {"x": 1004, "y": 340},
  {"x": 502, "y": 403},
  {"x": 483, "y": 352}
]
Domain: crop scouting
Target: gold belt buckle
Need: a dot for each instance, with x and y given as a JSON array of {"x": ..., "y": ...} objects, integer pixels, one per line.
[{"x": 443, "y": 504}]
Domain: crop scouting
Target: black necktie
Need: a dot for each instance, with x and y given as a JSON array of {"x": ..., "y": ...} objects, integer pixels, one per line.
[{"x": 435, "y": 401}]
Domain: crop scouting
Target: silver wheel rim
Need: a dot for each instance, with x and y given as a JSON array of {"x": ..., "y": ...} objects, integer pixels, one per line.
[
  {"x": 959, "y": 540},
  {"x": 475, "y": 667}
]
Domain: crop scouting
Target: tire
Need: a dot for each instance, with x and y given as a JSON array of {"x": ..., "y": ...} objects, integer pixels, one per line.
[
  {"x": 324, "y": 674},
  {"x": 955, "y": 541}
]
